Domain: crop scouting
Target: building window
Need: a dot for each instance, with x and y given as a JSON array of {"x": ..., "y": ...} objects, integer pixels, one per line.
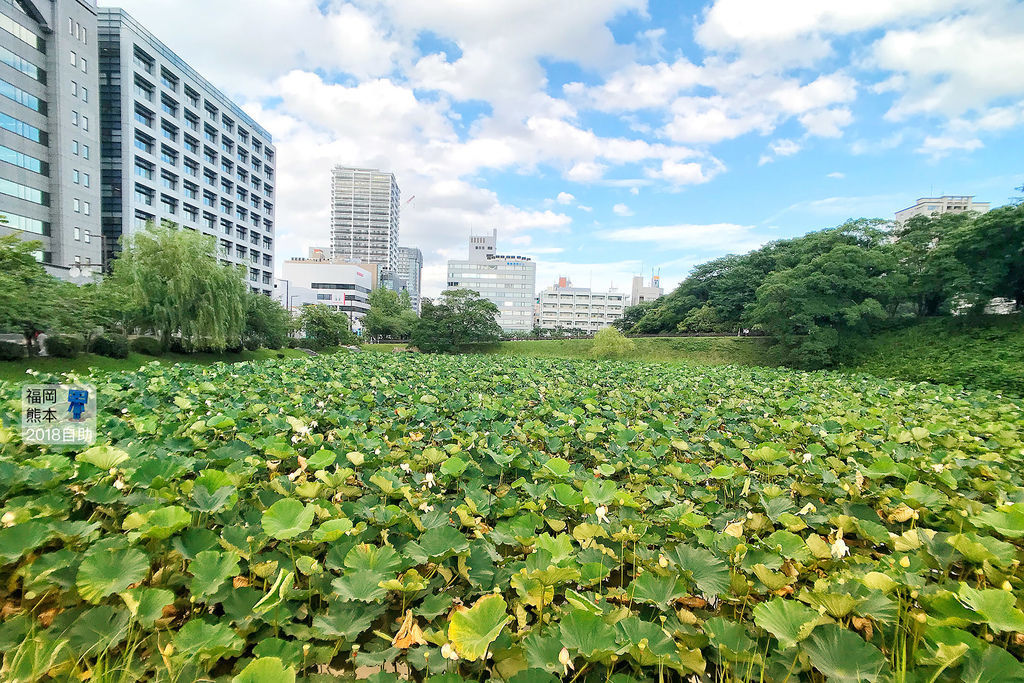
[
  {"x": 16, "y": 158},
  {"x": 169, "y": 106},
  {"x": 29, "y": 194},
  {"x": 21, "y": 64},
  {"x": 168, "y": 80},
  {"x": 143, "y": 116},
  {"x": 191, "y": 168},
  {"x": 78, "y": 234},
  {"x": 143, "y": 61},
  {"x": 85, "y": 151},
  {"x": 85, "y": 123},
  {"x": 85, "y": 64},
  {"x": 144, "y": 195},
  {"x": 191, "y": 213},
  {"x": 143, "y": 90},
  {"x": 74, "y": 58},
  {"x": 143, "y": 169},
  {"x": 23, "y": 98}
]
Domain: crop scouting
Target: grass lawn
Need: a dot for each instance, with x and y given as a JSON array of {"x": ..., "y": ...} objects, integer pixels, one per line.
[{"x": 14, "y": 371}]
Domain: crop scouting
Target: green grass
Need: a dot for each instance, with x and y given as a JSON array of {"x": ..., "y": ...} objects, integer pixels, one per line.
[{"x": 15, "y": 371}]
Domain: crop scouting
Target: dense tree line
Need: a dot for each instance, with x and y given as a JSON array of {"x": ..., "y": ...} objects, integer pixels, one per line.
[
  {"x": 811, "y": 292},
  {"x": 167, "y": 283}
]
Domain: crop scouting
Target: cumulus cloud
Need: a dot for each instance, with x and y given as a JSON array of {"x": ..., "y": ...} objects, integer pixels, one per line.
[
  {"x": 564, "y": 198},
  {"x": 622, "y": 210}
]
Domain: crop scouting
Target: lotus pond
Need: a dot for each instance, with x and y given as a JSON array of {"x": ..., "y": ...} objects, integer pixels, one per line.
[{"x": 523, "y": 520}]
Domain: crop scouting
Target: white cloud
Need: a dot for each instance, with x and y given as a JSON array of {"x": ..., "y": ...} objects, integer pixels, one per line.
[
  {"x": 588, "y": 209},
  {"x": 728, "y": 237},
  {"x": 893, "y": 141},
  {"x": 622, "y": 210},
  {"x": 938, "y": 146},
  {"x": 827, "y": 123},
  {"x": 564, "y": 198},
  {"x": 679, "y": 174},
  {"x": 586, "y": 171},
  {"x": 780, "y": 148},
  {"x": 836, "y": 175}
]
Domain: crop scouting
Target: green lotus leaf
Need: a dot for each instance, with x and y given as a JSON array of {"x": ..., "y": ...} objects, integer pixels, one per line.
[
  {"x": 98, "y": 629},
  {"x": 656, "y": 590},
  {"x": 322, "y": 459},
  {"x": 208, "y": 641},
  {"x": 289, "y": 652},
  {"x": 454, "y": 466},
  {"x": 265, "y": 670},
  {"x": 102, "y": 456},
  {"x": 702, "y": 567},
  {"x": 17, "y": 540},
  {"x": 587, "y": 634},
  {"x": 993, "y": 665},
  {"x": 210, "y": 570},
  {"x": 788, "y": 620},
  {"x": 374, "y": 558},
  {"x": 1008, "y": 521},
  {"x": 287, "y": 518},
  {"x": 437, "y": 544},
  {"x": 332, "y": 530},
  {"x": 363, "y": 585},
  {"x": 346, "y": 620},
  {"x": 103, "y": 572},
  {"x": 842, "y": 655},
  {"x": 472, "y": 631},
  {"x": 146, "y": 604},
  {"x": 996, "y": 607},
  {"x": 647, "y": 643},
  {"x": 164, "y": 522}
]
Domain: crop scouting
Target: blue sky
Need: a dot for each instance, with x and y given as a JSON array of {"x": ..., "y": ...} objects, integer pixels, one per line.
[{"x": 603, "y": 137}]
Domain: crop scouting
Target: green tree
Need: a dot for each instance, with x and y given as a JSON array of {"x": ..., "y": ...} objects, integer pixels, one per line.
[
  {"x": 633, "y": 314},
  {"x": 390, "y": 314},
  {"x": 992, "y": 248},
  {"x": 703, "y": 319},
  {"x": 927, "y": 259},
  {"x": 30, "y": 298},
  {"x": 176, "y": 285},
  {"x": 267, "y": 323},
  {"x": 610, "y": 343},
  {"x": 325, "y": 327},
  {"x": 841, "y": 290},
  {"x": 456, "y": 318}
]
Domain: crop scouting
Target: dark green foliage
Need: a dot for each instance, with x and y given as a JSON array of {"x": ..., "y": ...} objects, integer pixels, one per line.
[
  {"x": 456, "y": 318},
  {"x": 816, "y": 292},
  {"x": 11, "y": 350},
  {"x": 390, "y": 315},
  {"x": 63, "y": 346},
  {"x": 149, "y": 346},
  {"x": 630, "y": 317},
  {"x": 324, "y": 327},
  {"x": 267, "y": 323},
  {"x": 110, "y": 345},
  {"x": 984, "y": 352}
]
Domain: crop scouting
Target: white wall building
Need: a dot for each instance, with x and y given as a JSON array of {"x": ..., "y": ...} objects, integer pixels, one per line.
[
  {"x": 344, "y": 287},
  {"x": 364, "y": 216},
  {"x": 928, "y": 206},
  {"x": 641, "y": 293},
  {"x": 509, "y": 281},
  {"x": 567, "y": 307}
]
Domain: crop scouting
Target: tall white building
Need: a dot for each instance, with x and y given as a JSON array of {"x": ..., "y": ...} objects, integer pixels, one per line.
[
  {"x": 567, "y": 307},
  {"x": 410, "y": 270},
  {"x": 50, "y": 132},
  {"x": 928, "y": 206},
  {"x": 175, "y": 148},
  {"x": 641, "y": 292},
  {"x": 508, "y": 281},
  {"x": 365, "y": 205},
  {"x": 341, "y": 286}
]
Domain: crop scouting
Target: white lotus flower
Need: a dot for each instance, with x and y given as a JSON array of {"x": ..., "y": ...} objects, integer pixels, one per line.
[
  {"x": 840, "y": 549},
  {"x": 448, "y": 652},
  {"x": 602, "y": 514},
  {"x": 938, "y": 467},
  {"x": 566, "y": 661},
  {"x": 428, "y": 479},
  {"x": 808, "y": 457},
  {"x": 405, "y": 467},
  {"x": 8, "y": 519}
]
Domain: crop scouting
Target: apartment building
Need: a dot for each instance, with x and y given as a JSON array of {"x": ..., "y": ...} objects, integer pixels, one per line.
[
  {"x": 341, "y": 286},
  {"x": 928, "y": 206},
  {"x": 50, "y": 121},
  {"x": 175, "y": 148},
  {"x": 567, "y": 307},
  {"x": 508, "y": 281},
  {"x": 365, "y": 216},
  {"x": 410, "y": 271},
  {"x": 641, "y": 293}
]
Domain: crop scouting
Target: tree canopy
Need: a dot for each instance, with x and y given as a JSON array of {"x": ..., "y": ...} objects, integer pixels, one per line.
[
  {"x": 325, "y": 327},
  {"x": 175, "y": 285},
  {"x": 456, "y": 318},
  {"x": 390, "y": 314}
]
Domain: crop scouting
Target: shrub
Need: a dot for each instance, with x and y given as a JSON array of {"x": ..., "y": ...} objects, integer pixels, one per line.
[
  {"x": 149, "y": 346},
  {"x": 11, "y": 350},
  {"x": 610, "y": 343},
  {"x": 294, "y": 343},
  {"x": 63, "y": 346},
  {"x": 111, "y": 346}
]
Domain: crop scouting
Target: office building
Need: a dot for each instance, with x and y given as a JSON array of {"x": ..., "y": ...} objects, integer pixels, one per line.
[
  {"x": 364, "y": 216},
  {"x": 174, "y": 148},
  {"x": 50, "y": 121},
  {"x": 929, "y": 206},
  {"x": 642, "y": 292},
  {"x": 509, "y": 281},
  {"x": 563, "y": 306},
  {"x": 410, "y": 270},
  {"x": 341, "y": 286}
]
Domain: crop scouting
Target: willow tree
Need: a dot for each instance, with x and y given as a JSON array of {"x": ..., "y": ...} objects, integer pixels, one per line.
[{"x": 177, "y": 286}]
